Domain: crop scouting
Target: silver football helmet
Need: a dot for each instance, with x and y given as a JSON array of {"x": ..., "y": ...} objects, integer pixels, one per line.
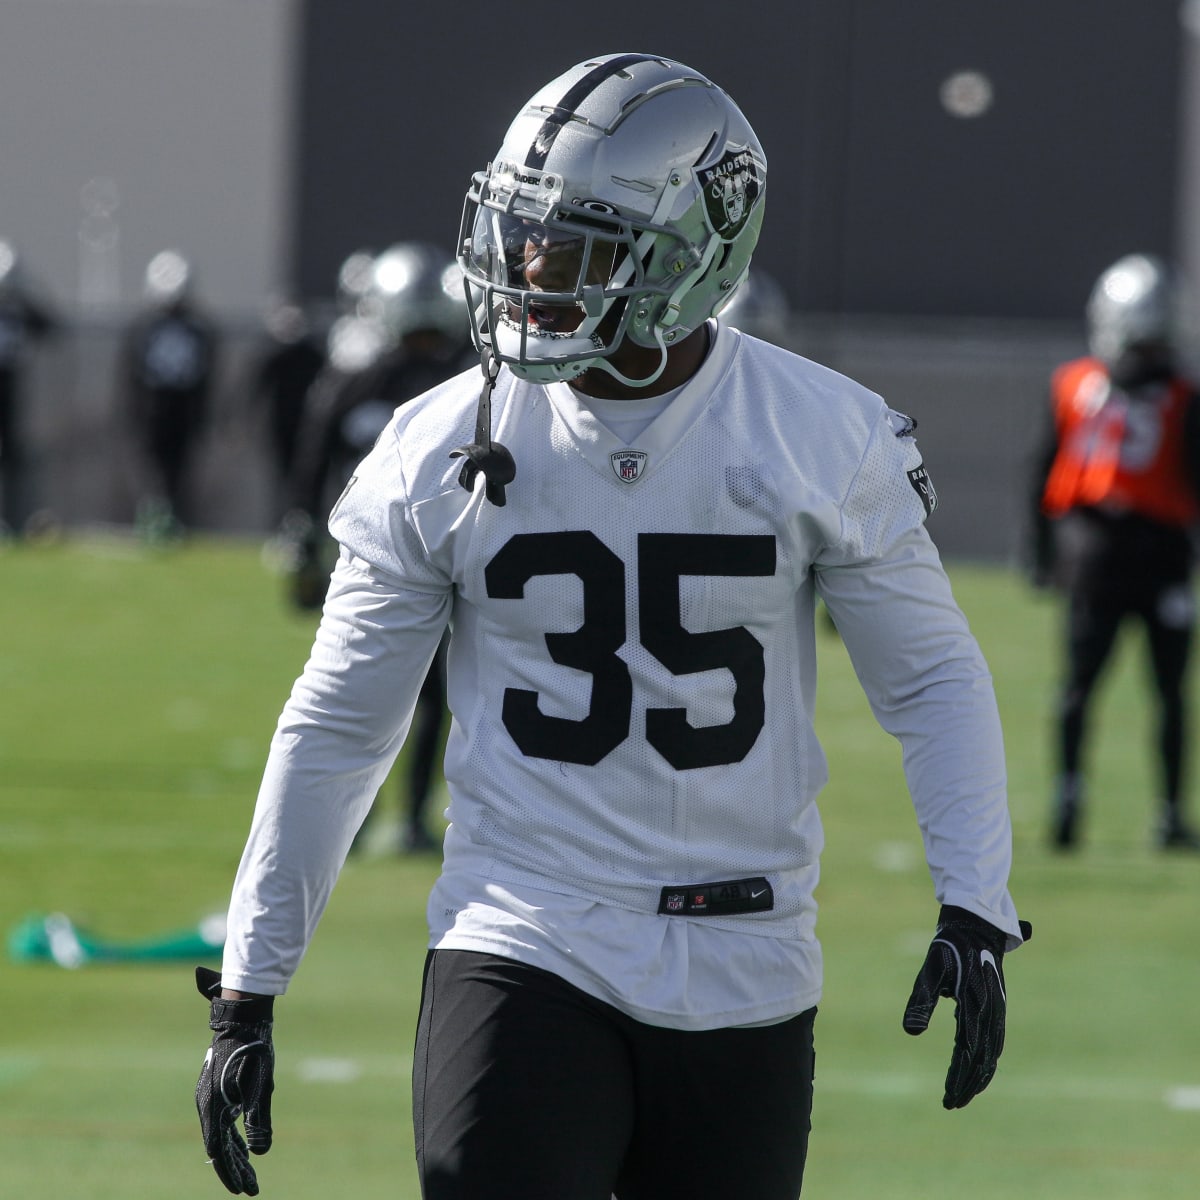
[
  {"x": 413, "y": 285},
  {"x": 354, "y": 278},
  {"x": 1133, "y": 304},
  {"x": 168, "y": 279},
  {"x": 625, "y": 202},
  {"x": 10, "y": 265}
]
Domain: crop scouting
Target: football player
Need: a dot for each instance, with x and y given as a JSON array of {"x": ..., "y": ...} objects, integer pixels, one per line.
[
  {"x": 26, "y": 320},
  {"x": 1117, "y": 507},
  {"x": 413, "y": 296},
  {"x": 290, "y": 360},
  {"x": 168, "y": 366},
  {"x": 628, "y": 526}
]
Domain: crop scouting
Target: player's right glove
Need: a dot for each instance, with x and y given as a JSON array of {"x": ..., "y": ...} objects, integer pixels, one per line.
[
  {"x": 236, "y": 1080},
  {"x": 964, "y": 964}
]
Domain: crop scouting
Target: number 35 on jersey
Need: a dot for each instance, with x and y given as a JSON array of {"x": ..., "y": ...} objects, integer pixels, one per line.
[{"x": 663, "y": 559}]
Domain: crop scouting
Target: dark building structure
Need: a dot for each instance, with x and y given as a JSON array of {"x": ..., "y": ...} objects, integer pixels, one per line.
[
  {"x": 947, "y": 179},
  {"x": 930, "y": 158}
]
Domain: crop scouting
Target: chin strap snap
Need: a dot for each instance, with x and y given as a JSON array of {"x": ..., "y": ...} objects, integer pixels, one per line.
[{"x": 483, "y": 454}]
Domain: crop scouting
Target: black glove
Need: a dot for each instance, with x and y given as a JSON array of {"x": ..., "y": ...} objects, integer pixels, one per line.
[
  {"x": 964, "y": 963},
  {"x": 237, "y": 1078}
]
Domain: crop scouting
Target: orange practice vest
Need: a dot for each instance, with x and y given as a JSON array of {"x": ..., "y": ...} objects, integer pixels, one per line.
[{"x": 1118, "y": 454}]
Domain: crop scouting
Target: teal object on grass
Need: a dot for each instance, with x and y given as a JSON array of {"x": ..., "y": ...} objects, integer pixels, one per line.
[{"x": 57, "y": 939}]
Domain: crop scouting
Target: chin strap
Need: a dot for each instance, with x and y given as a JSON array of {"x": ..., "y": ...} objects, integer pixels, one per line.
[{"x": 483, "y": 454}]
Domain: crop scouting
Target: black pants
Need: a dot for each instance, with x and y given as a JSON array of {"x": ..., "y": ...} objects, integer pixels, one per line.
[
  {"x": 525, "y": 1088},
  {"x": 12, "y": 456},
  {"x": 1119, "y": 568},
  {"x": 171, "y": 438}
]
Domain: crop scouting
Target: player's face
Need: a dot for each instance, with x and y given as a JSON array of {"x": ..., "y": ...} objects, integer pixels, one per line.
[{"x": 555, "y": 260}]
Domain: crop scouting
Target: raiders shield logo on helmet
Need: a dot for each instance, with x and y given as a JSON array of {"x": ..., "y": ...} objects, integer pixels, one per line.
[
  {"x": 628, "y": 465},
  {"x": 731, "y": 188}
]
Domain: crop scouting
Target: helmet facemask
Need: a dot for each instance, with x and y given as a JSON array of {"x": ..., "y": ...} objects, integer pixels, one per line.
[
  {"x": 537, "y": 280},
  {"x": 561, "y": 278}
]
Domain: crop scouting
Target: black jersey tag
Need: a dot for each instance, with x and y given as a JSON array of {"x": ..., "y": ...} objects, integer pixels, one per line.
[{"x": 727, "y": 898}]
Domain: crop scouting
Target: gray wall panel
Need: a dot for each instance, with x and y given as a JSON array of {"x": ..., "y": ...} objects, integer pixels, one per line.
[
  {"x": 184, "y": 106},
  {"x": 880, "y": 201}
]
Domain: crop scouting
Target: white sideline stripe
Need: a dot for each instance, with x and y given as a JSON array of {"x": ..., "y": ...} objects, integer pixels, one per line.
[
  {"x": 329, "y": 1070},
  {"x": 896, "y": 858},
  {"x": 125, "y": 839},
  {"x": 1178, "y": 1097},
  {"x": 346, "y": 1069},
  {"x": 1184, "y": 1099},
  {"x": 17, "y": 1066}
]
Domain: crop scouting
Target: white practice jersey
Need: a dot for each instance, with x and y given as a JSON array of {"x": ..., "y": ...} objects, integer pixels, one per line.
[{"x": 632, "y": 676}]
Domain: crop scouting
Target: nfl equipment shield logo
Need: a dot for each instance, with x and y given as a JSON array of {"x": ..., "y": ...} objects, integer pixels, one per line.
[
  {"x": 628, "y": 465},
  {"x": 675, "y": 902}
]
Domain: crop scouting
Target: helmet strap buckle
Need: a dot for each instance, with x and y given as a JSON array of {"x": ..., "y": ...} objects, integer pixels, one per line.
[{"x": 484, "y": 455}]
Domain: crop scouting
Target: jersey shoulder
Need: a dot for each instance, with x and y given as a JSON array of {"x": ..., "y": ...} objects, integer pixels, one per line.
[
  {"x": 441, "y": 417},
  {"x": 817, "y": 419},
  {"x": 411, "y": 459},
  {"x": 833, "y": 446},
  {"x": 411, "y": 466}
]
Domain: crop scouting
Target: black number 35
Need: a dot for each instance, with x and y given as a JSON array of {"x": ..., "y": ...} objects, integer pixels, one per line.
[{"x": 662, "y": 559}]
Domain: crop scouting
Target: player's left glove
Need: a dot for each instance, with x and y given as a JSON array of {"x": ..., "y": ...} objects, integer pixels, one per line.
[
  {"x": 964, "y": 963},
  {"x": 237, "y": 1079}
]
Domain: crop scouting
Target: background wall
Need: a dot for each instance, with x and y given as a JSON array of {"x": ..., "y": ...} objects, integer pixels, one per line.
[
  {"x": 947, "y": 178},
  {"x": 129, "y": 126},
  {"x": 881, "y": 200}
]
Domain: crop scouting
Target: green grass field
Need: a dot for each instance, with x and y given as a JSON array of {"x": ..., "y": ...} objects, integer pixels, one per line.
[{"x": 139, "y": 692}]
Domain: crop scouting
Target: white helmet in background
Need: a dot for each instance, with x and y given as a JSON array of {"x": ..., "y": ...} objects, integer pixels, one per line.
[
  {"x": 1134, "y": 304},
  {"x": 10, "y": 265},
  {"x": 354, "y": 278},
  {"x": 415, "y": 286},
  {"x": 641, "y": 185},
  {"x": 168, "y": 279}
]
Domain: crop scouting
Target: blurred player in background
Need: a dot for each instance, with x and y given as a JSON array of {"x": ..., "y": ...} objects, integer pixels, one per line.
[
  {"x": 168, "y": 364},
  {"x": 354, "y": 341},
  {"x": 414, "y": 301},
  {"x": 620, "y": 992},
  {"x": 1115, "y": 494},
  {"x": 25, "y": 320},
  {"x": 288, "y": 365}
]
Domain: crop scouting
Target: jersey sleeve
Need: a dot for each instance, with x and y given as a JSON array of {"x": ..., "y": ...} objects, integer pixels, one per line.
[
  {"x": 890, "y": 493},
  {"x": 924, "y": 677},
  {"x": 399, "y": 510},
  {"x": 336, "y": 740}
]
